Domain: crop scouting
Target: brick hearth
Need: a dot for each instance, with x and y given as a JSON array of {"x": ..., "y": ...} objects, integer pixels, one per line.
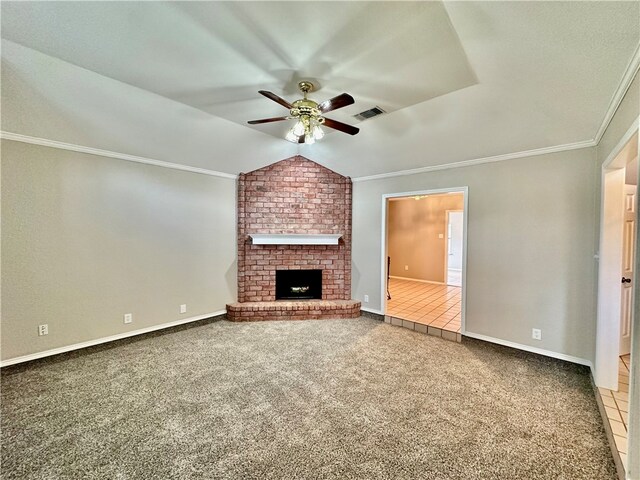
[
  {"x": 293, "y": 310},
  {"x": 293, "y": 196}
]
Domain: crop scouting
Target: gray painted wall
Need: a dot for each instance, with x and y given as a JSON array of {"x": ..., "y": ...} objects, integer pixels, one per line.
[
  {"x": 530, "y": 246},
  {"x": 86, "y": 239}
]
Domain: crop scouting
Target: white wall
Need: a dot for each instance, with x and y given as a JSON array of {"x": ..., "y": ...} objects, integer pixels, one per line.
[
  {"x": 86, "y": 239},
  {"x": 530, "y": 246}
]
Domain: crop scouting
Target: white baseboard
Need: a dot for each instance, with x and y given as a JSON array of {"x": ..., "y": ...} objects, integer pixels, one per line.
[
  {"x": 416, "y": 280},
  {"x": 527, "y": 348},
  {"x": 372, "y": 310},
  {"x": 119, "y": 336},
  {"x": 98, "y": 341}
]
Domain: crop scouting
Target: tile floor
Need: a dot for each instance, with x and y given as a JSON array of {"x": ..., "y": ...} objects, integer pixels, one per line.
[
  {"x": 428, "y": 304},
  {"x": 617, "y": 406}
]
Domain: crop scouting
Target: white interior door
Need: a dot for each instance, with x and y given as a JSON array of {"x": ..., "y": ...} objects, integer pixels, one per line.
[
  {"x": 628, "y": 259},
  {"x": 455, "y": 231}
]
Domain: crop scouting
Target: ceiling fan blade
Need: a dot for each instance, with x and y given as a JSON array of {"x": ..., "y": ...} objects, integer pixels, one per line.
[
  {"x": 275, "y": 98},
  {"x": 335, "y": 103},
  {"x": 343, "y": 127},
  {"x": 267, "y": 120}
]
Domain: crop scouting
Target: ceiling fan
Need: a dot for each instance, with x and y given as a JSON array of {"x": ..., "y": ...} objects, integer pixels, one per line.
[{"x": 309, "y": 115}]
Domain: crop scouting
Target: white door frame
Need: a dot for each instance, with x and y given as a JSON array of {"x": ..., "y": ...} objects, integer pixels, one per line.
[
  {"x": 609, "y": 278},
  {"x": 446, "y": 248},
  {"x": 610, "y": 265},
  {"x": 383, "y": 261}
]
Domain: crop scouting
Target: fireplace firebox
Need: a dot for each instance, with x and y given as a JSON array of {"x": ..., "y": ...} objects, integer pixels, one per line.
[{"x": 298, "y": 284}]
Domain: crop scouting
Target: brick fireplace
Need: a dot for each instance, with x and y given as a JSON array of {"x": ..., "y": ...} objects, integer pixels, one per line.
[{"x": 293, "y": 215}]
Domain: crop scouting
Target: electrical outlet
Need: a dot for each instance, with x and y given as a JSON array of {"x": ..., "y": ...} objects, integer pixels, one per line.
[
  {"x": 406, "y": 267},
  {"x": 128, "y": 317},
  {"x": 43, "y": 329},
  {"x": 183, "y": 308},
  {"x": 536, "y": 334},
  {"x": 366, "y": 299},
  {"x": 441, "y": 235}
]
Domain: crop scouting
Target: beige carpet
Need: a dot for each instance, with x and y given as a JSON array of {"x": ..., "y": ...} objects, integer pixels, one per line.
[{"x": 313, "y": 399}]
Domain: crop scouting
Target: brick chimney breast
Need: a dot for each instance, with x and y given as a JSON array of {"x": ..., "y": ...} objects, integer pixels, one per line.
[{"x": 295, "y": 196}]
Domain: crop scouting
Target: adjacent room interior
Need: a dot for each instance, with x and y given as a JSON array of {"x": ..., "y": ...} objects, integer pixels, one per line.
[
  {"x": 319, "y": 240},
  {"x": 425, "y": 260}
]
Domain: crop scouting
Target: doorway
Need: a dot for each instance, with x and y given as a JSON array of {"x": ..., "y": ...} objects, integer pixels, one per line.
[
  {"x": 616, "y": 279},
  {"x": 424, "y": 259},
  {"x": 616, "y": 262}
]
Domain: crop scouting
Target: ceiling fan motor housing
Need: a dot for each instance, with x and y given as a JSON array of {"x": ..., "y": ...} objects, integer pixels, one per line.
[{"x": 306, "y": 108}]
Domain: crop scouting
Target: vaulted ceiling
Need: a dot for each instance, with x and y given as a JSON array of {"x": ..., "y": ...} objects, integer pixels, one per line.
[{"x": 177, "y": 81}]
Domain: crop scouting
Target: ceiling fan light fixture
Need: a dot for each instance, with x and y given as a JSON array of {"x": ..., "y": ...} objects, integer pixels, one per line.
[
  {"x": 309, "y": 139},
  {"x": 291, "y": 136},
  {"x": 317, "y": 133},
  {"x": 299, "y": 128}
]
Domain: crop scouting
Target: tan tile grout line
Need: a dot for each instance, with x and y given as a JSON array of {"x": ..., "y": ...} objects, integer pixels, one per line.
[
  {"x": 621, "y": 414},
  {"x": 432, "y": 298},
  {"x": 624, "y": 423},
  {"x": 441, "y": 302}
]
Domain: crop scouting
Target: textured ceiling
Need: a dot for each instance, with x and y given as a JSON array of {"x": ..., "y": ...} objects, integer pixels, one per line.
[{"x": 460, "y": 80}]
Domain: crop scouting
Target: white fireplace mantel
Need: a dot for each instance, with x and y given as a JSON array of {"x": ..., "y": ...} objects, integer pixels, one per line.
[{"x": 294, "y": 239}]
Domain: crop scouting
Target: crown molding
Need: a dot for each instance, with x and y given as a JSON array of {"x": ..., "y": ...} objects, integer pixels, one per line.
[
  {"x": 17, "y": 137},
  {"x": 627, "y": 79},
  {"x": 632, "y": 69},
  {"x": 621, "y": 91},
  {"x": 480, "y": 161},
  {"x": 633, "y": 128}
]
